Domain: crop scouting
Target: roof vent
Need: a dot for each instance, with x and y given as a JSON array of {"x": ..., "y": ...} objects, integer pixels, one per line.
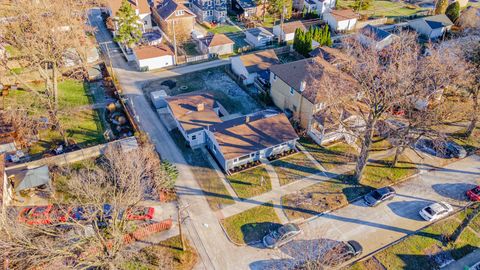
[{"x": 303, "y": 84}]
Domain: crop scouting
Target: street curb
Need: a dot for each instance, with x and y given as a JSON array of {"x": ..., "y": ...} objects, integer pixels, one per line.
[{"x": 408, "y": 235}]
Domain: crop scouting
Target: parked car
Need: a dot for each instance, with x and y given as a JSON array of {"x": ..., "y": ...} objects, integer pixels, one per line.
[
  {"x": 474, "y": 194},
  {"x": 379, "y": 195},
  {"x": 440, "y": 148},
  {"x": 90, "y": 213},
  {"x": 43, "y": 215},
  {"x": 281, "y": 236},
  {"x": 436, "y": 211},
  {"x": 342, "y": 252},
  {"x": 140, "y": 213}
]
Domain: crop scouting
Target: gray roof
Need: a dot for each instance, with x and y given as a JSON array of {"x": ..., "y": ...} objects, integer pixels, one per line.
[
  {"x": 246, "y": 4},
  {"x": 437, "y": 21},
  {"x": 375, "y": 33},
  {"x": 32, "y": 178},
  {"x": 259, "y": 31},
  {"x": 167, "y": 8}
]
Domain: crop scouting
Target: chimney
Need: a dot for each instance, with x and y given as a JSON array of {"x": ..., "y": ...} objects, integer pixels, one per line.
[
  {"x": 247, "y": 118},
  {"x": 200, "y": 107},
  {"x": 303, "y": 84}
]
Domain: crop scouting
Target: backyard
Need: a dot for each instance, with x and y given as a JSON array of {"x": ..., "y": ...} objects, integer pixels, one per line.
[
  {"x": 233, "y": 98},
  {"x": 251, "y": 182},
  {"x": 382, "y": 8},
  {"x": 427, "y": 248},
  {"x": 294, "y": 167},
  {"x": 251, "y": 225}
]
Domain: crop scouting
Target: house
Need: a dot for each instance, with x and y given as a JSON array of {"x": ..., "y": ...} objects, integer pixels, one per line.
[
  {"x": 341, "y": 20},
  {"x": 258, "y": 37},
  {"x": 250, "y": 138},
  {"x": 376, "y": 37},
  {"x": 171, "y": 15},
  {"x": 193, "y": 113},
  {"x": 141, "y": 7},
  {"x": 30, "y": 186},
  {"x": 250, "y": 66},
  {"x": 244, "y": 8},
  {"x": 318, "y": 6},
  {"x": 299, "y": 88},
  {"x": 211, "y": 11},
  {"x": 432, "y": 27},
  {"x": 287, "y": 32},
  {"x": 218, "y": 44},
  {"x": 153, "y": 57},
  {"x": 7, "y": 138}
]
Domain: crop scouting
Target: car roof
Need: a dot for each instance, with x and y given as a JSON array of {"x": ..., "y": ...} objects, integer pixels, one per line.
[
  {"x": 437, "y": 207},
  {"x": 384, "y": 190}
]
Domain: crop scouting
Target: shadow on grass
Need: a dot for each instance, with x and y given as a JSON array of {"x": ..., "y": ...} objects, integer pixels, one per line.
[
  {"x": 433, "y": 261},
  {"x": 253, "y": 232}
]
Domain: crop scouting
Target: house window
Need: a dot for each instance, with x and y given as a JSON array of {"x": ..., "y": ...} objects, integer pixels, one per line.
[
  {"x": 194, "y": 137},
  {"x": 274, "y": 76},
  {"x": 179, "y": 12},
  {"x": 291, "y": 91},
  {"x": 294, "y": 108}
]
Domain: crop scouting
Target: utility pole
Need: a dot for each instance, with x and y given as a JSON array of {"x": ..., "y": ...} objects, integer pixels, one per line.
[
  {"x": 281, "y": 22},
  {"x": 174, "y": 40},
  {"x": 109, "y": 58},
  {"x": 180, "y": 210}
]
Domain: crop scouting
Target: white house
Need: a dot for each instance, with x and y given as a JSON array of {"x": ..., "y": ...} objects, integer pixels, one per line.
[
  {"x": 258, "y": 37},
  {"x": 142, "y": 9},
  {"x": 250, "y": 66},
  {"x": 374, "y": 36},
  {"x": 287, "y": 32},
  {"x": 153, "y": 57},
  {"x": 432, "y": 27},
  {"x": 320, "y": 6},
  {"x": 341, "y": 20}
]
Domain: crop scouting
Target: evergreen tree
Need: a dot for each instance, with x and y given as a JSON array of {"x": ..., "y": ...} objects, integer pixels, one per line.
[
  {"x": 329, "y": 42},
  {"x": 453, "y": 11},
  {"x": 129, "y": 30},
  {"x": 441, "y": 7}
]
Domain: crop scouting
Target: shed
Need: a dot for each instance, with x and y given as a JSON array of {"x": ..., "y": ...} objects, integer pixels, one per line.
[
  {"x": 158, "y": 99},
  {"x": 31, "y": 178},
  {"x": 258, "y": 37}
]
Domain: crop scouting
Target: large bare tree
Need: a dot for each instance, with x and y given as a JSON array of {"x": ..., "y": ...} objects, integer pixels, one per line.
[{"x": 97, "y": 239}]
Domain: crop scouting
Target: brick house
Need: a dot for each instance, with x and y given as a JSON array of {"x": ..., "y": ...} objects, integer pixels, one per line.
[{"x": 168, "y": 12}]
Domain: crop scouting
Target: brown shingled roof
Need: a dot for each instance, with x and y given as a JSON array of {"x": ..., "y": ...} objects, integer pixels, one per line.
[
  {"x": 258, "y": 61},
  {"x": 290, "y": 27},
  {"x": 146, "y": 52},
  {"x": 216, "y": 40},
  {"x": 343, "y": 14},
  {"x": 186, "y": 111},
  {"x": 143, "y": 6},
  {"x": 243, "y": 139}
]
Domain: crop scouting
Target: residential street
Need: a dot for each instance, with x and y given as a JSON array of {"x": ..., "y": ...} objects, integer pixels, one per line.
[{"x": 372, "y": 227}]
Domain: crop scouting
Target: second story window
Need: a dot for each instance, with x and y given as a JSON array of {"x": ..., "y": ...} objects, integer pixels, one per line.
[
  {"x": 291, "y": 91},
  {"x": 179, "y": 12}
]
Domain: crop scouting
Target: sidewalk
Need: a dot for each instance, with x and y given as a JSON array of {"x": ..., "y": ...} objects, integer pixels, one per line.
[{"x": 465, "y": 262}]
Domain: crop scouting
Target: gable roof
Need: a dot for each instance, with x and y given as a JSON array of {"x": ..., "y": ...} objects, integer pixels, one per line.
[
  {"x": 343, "y": 14},
  {"x": 290, "y": 27},
  {"x": 186, "y": 111},
  {"x": 246, "y": 4},
  {"x": 244, "y": 135},
  {"x": 312, "y": 72},
  {"x": 147, "y": 52},
  {"x": 166, "y": 8},
  {"x": 259, "y": 32},
  {"x": 374, "y": 33},
  {"x": 142, "y": 6},
  {"x": 436, "y": 22},
  {"x": 216, "y": 40},
  {"x": 258, "y": 61}
]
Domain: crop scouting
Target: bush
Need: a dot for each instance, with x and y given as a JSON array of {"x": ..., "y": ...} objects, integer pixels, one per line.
[{"x": 453, "y": 11}]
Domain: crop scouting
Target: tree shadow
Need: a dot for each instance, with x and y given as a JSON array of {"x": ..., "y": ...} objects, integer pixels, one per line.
[
  {"x": 434, "y": 260},
  {"x": 454, "y": 191},
  {"x": 408, "y": 209},
  {"x": 254, "y": 232}
]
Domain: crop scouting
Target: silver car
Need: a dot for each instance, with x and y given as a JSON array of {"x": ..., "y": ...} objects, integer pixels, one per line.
[{"x": 281, "y": 236}]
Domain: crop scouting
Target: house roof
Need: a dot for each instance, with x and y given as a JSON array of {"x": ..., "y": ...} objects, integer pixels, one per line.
[
  {"x": 147, "y": 52},
  {"x": 167, "y": 7},
  {"x": 186, "y": 110},
  {"x": 438, "y": 21},
  {"x": 244, "y": 135},
  {"x": 31, "y": 178},
  {"x": 142, "y": 5},
  {"x": 246, "y": 4},
  {"x": 258, "y": 61},
  {"x": 216, "y": 40},
  {"x": 313, "y": 73},
  {"x": 259, "y": 32},
  {"x": 374, "y": 33},
  {"x": 290, "y": 27},
  {"x": 343, "y": 14}
]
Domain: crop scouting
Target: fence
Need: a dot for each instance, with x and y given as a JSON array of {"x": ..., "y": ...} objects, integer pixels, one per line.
[
  {"x": 197, "y": 58},
  {"x": 379, "y": 21}
]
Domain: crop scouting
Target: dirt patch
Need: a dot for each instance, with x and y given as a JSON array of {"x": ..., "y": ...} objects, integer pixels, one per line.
[{"x": 216, "y": 81}]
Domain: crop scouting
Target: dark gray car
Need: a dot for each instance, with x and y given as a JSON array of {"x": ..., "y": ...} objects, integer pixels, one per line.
[
  {"x": 281, "y": 236},
  {"x": 379, "y": 195}
]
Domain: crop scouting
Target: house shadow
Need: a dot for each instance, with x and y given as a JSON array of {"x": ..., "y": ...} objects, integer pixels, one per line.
[
  {"x": 254, "y": 232},
  {"x": 454, "y": 191},
  {"x": 408, "y": 209}
]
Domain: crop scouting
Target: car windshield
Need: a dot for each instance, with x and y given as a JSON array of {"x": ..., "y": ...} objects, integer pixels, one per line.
[
  {"x": 476, "y": 190},
  {"x": 430, "y": 211},
  {"x": 377, "y": 195}
]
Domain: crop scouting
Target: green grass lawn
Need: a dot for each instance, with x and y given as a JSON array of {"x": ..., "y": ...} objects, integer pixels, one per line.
[
  {"x": 380, "y": 173},
  {"x": 190, "y": 48},
  {"x": 384, "y": 8},
  {"x": 72, "y": 93},
  {"x": 248, "y": 183},
  {"x": 225, "y": 28},
  {"x": 167, "y": 254},
  {"x": 415, "y": 252},
  {"x": 380, "y": 144},
  {"x": 330, "y": 156},
  {"x": 251, "y": 225},
  {"x": 215, "y": 192},
  {"x": 294, "y": 167},
  {"x": 470, "y": 144}
]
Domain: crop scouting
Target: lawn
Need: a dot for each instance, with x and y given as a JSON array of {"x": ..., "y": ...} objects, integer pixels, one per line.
[
  {"x": 167, "y": 254},
  {"x": 380, "y": 173},
  {"x": 249, "y": 183},
  {"x": 330, "y": 156},
  {"x": 190, "y": 48},
  {"x": 470, "y": 144},
  {"x": 294, "y": 167},
  {"x": 251, "y": 225},
  {"x": 214, "y": 190},
  {"x": 384, "y": 8},
  {"x": 380, "y": 144},
  {"x": 420, "y": 250},
  {"x": 225, "y": 28}
]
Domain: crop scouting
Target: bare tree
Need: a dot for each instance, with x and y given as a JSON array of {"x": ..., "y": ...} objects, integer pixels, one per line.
[
  {"x": 472, "y": 87},
  {"x": 97, "y": 237},
  {"x": 45, "y": 32}
]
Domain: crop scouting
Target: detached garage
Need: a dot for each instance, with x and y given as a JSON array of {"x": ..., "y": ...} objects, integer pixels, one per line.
[{"x": 153, "y": 57}]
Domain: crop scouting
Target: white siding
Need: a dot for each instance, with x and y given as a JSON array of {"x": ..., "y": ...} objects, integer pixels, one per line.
[
  {"x": 155, "y": 63},
  {"x": 146, "y": 21},
  {"x": 238, "y": 67},
  {"x": 420, "y": 27}
]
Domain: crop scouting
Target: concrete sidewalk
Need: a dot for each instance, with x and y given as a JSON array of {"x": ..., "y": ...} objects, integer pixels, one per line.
[{"x": 465, "y": 262}]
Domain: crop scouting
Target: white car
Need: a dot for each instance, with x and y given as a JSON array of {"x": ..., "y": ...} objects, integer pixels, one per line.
[{"x": 436, "y": 211}]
